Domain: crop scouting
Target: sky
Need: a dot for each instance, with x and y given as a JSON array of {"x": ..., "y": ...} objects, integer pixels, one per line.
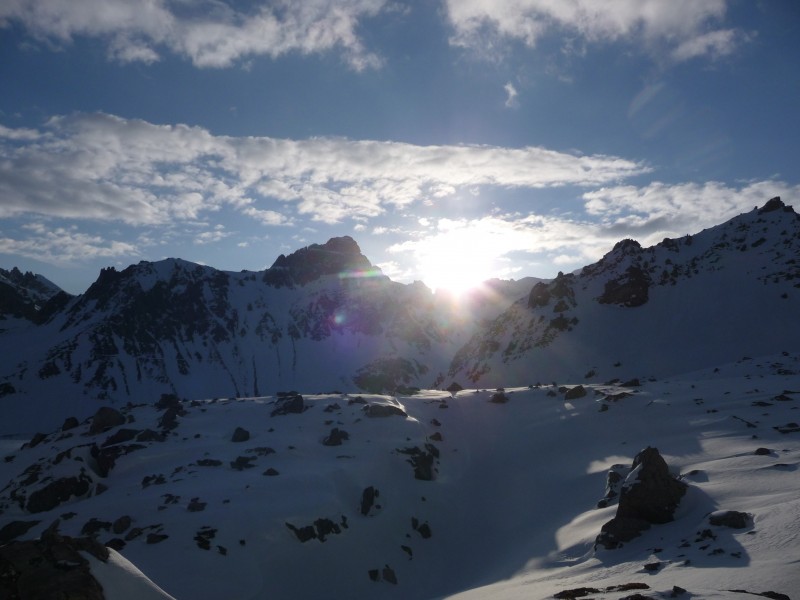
[{"x": 454, "y": 140}]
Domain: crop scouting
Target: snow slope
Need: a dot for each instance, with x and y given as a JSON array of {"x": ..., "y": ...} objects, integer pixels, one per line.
[{"x": 510, "y": 511}]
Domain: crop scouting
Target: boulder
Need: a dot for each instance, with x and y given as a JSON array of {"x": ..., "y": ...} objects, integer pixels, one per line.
[
  {"x": 649, "y": 495},
  {"x": 383, "y": 410},
  {"x": 69, "y": 423},
  {"x": 240, "y": 435},
  {"x": 289, "y": 404},
  {"x": 336, "y": 437},
  {"x": 106, "y": 418},
  {"x": 576, "y": 392},
  {"x": 730, "y": 518}
]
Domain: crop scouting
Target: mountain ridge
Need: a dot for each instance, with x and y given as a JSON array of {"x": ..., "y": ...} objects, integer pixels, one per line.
[{"x": 324, "y": 318}]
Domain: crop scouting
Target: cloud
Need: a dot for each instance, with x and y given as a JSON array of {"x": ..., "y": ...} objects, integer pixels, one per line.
[
  {"x": 660, "y": 210},
  {"x": 482, "y": 247},
  {"x": 105, "y": 168},
  {"x": 511, "y": 95},
  {"x": 62, "y": 245},
  {"x": 210, "y": 33},
  {"x": 687, "y": 27}
]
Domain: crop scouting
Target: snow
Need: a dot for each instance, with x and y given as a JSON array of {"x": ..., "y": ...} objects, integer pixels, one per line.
[
  {"x": 121, "y": 580},
  {"x": 512, "y": 511}
]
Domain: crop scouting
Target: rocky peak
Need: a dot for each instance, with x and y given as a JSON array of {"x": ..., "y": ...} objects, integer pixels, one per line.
[
  {"x": 338, "y": 256},
  {"x": 774, "y": 204}
]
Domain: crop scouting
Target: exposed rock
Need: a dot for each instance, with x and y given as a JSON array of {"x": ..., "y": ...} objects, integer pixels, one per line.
[
  {"x": 575, "y": 392},
  {"x": 320, "y": 529},
  {"x": 120, "y": 436},
  {"x": 37, "y": 439},
  {"x": 58, "y": 491},
  {"x": 454, "y": 387},
  {"x": 762, "y": 452},
  {"x": 156, "y": 538},
  {"x": 69, "y": 423},
  {"x": 240, "y": 435},
  {"x": 208, "y": 462},
  {"x": 196, "y": 506},
  {"x": 15, "y": 529},
  {"x": 168, "y": 401},
  {"x": 730, "y": 518},
  {"x": 614, "y": 479},
  {"x": 94, "y": 525},
  {"x": 423, "y": 461},
  {"x": 772, "y": 204},
  {"x": 498, "y": 398},
  {"x": 629, "y": 289},
  {"x": 243, "y": 462},
  {"x": 121, "y": 525},
  {"x": 421, "y": 528},
  {"x": 649, "y": 495},
  {"x": 106, "y": 418},
  {"x": 51, "y": 567},
  {"x": 384, "y": 410},
  {"x": 271, "y": 472},
  {"x": 368, "y": 499},
  {"x": 169, "y": 420},
  {"x": 290, "y": 404},
  {"x": 388, "y": 575},
  {"x": 336, "y": 437}
]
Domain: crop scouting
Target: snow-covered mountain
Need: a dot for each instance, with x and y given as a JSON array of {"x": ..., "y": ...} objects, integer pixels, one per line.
[
  {"x": 325, "y": 319},
  {"x": 24, "y": 296},
  {"x": 162, "y": 441},
  {"x": 682, "y": 304},
  {"x": 320, "y": 319}
]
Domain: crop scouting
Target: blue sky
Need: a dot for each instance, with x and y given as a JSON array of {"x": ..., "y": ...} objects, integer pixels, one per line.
[{"x": 455, "y": 140}]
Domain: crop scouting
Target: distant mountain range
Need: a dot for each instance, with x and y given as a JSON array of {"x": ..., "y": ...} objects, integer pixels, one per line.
[{"x": 325, "y": 319}]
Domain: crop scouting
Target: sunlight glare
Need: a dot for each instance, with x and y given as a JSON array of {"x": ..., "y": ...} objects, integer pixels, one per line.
[{"x": 455, "y": 261}]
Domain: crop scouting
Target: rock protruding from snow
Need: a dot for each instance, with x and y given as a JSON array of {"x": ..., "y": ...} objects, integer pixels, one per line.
[
  {"x": 106, "y": 418},
  {"x": 649, "y": 496},
  {"x": 51, "y": 567}
]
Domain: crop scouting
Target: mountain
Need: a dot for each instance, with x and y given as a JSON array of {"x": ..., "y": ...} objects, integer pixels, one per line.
[
  {"x": 323, "y": 318},
  {"x": 25, "y": 295},
  {"x": 633, "y": 433},
  {"x": 679, "y": 305}
]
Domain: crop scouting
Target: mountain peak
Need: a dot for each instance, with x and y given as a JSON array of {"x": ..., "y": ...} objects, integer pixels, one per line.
[{"x": 337, "y": 256}]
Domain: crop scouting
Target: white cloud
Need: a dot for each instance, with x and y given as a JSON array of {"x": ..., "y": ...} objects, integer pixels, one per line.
[
  {"x": 661, "y": 210},
  {"x": 211, "y": 33},
  {"x": 102, "y": 167},
  {"x": 511, "y": 95},
  {"x": 63, "y": 245},
  {"x": 685, "y": 26}
]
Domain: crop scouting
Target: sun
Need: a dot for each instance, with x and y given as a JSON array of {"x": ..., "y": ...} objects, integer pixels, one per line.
[{"x": 454, "y": 262}]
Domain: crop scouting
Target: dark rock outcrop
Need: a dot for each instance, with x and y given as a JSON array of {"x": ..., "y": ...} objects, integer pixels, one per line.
[
  {"x": 240, "y": 435},
  {"x": 649, "y": 496},
  {"x": 58, "y": 491},
  {"x": 575, "y": 392},
  {"x": 336, "y": 437},
  {"x": 106, "y": 418},
  {"x": 368, "y": 497},
  {"x": 51, "y": 567},
  {"x": 383, "y": 410},
  {"x": 630, "y": 289},
  {"x": 289, "y": 404},
  {"x": 730, "y": 518}
]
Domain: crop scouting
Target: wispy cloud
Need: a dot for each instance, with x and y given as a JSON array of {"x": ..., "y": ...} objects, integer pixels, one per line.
[
  {"x": 511, "y": 95},
  {"x": 102, "y": 167},
  {"x": 62, "y": 245},
  {"x": 685, "y": 28},
  {"x": 211, "y": 33},
  {"x": 660, "y": 210}
]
